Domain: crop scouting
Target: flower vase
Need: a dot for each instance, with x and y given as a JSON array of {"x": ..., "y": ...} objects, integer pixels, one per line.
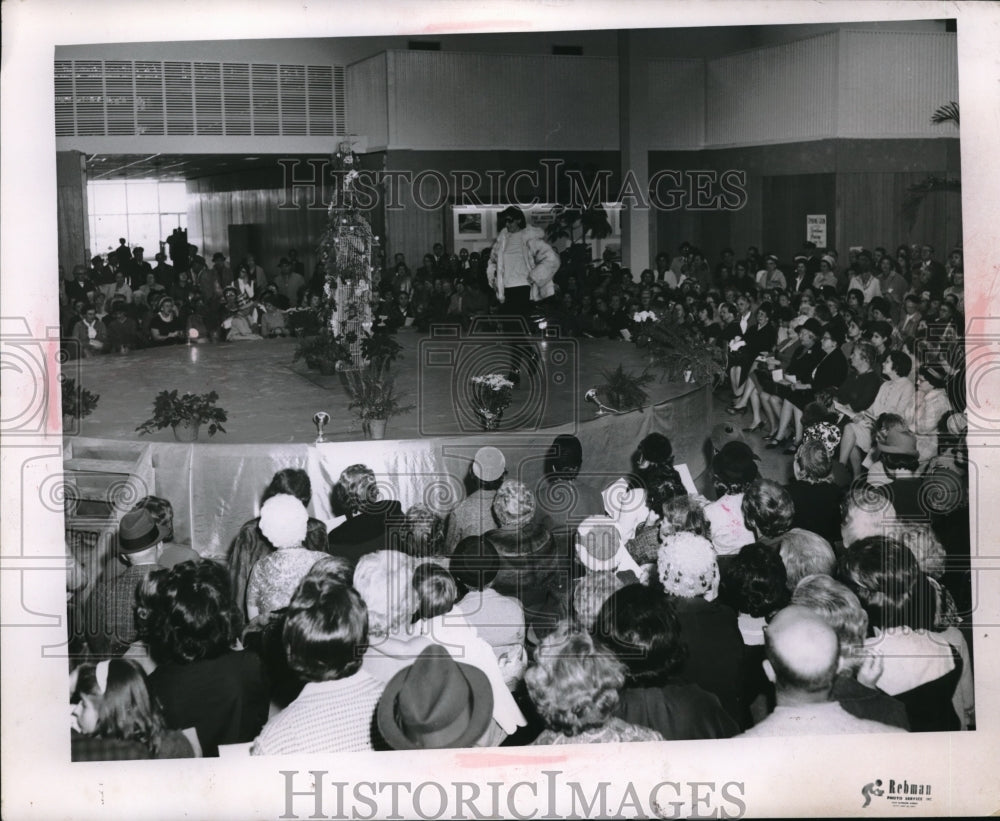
[
  {"x": 490, "y": 419},
  {"x": 186, "y": 431},
  {"x": 376, "y": 428}
]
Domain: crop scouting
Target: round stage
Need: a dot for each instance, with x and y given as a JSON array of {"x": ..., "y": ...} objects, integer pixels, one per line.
[{"x": 272, "y": 400}]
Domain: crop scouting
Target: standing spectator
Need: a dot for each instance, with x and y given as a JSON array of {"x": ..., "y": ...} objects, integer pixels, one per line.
[
  {"x": 473, "y": 516},
  {"x": 689, "y": 574},
  {"x": 250, "y": 544},
  {"x": 284, "y": 523},
  {"x": 856, "y": 669},
  {"x": 639, "y": 625},
  {"x": 325, "y": 637},
  {"x": 576, "y": 686},
  {"x": 802, "y": 659}
]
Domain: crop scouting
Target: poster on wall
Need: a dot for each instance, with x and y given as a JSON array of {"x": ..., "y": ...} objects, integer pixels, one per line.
[{"x": 816, "y": 229}]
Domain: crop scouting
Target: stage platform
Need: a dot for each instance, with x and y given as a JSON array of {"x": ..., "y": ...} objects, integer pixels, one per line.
[{"x": 215, "y": 484}]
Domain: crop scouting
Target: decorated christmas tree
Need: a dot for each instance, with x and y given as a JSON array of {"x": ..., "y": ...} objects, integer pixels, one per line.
[{"x": 347, "y": 252}]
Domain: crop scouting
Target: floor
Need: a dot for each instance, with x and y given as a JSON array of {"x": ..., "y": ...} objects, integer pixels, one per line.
[{"x": 271, "y": 399}]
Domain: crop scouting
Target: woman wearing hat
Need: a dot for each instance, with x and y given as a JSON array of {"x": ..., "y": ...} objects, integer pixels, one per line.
[
  {"x": 801, "y": 367},
  {"x": 771, "y": 276},
  {"x": 829, "y": 373},
  {"x": 827, "y": 274},
  {"x": 734, "y": 468},
  {"x": 521, "y": 270},
  {"x": 236, "y": 312}
]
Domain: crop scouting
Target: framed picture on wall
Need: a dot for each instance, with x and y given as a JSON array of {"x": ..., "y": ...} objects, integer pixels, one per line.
[{"x": 469, "y": 224}]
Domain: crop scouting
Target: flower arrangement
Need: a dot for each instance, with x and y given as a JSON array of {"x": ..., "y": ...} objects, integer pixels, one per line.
[
  {"x": 190, "y": 410},
  {"x": 681, "y": 352},
  {"x": 644, "y": 316},
  {"x": 492, "y": 394},
  {"x": 77, "y": 402},
  {"x": 626, "y": 390}
]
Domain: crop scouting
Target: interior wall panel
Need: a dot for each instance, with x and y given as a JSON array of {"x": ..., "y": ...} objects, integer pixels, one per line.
[
  {"x": 676, "y": 99},
  {"x": 480, "y": 101},
  {"x": 890, "y": 83},
  {"x": 778, "y": 94},
  {"x": 367, "y": 100}
]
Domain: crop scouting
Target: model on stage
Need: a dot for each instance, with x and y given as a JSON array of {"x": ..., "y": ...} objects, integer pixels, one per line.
[{"x": 522, "y": 265}]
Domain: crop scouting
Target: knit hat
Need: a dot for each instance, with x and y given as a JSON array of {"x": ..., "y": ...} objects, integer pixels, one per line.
[
  {"x": 284, "y": 521},
  {"x": 687, "y": 566},
  {"x": 488, "y": 464}
]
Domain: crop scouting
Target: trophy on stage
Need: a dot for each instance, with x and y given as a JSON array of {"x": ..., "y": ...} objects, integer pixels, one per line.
[
  {"x": 602, "y": 409},
  {"x": 320, "y": 419}
]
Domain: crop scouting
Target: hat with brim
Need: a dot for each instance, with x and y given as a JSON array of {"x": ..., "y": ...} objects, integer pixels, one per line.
[
  {"x": 813, "y": 325},
  {"x": 139, "y": 530},
  {"x": 435, "y": 703},
  {"x": 736, "y": 463}
]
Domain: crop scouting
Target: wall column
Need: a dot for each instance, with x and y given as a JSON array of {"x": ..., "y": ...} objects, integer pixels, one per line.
[
  {"x": 633, "y": 127},
  {"x": 71, "y": 209}
]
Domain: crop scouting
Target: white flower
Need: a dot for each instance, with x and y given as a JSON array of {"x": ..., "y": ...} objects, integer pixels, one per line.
[
  {"x": 736, "y": 344},
  {"x": 642, "y": 316},
  {"x": 493, "y": 381}
]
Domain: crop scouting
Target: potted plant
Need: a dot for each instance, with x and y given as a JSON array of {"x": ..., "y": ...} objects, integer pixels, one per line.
[
  {"x": 492, "y": 393},
  {"x": 185, "y": 414},
  {"x": 325, "y": 352},
  {"x": 374, "y": 399},
  {"x": 380, "y": 348},
  {"x": 626, "y": 390},
  {"x": 77, "y": 402}
]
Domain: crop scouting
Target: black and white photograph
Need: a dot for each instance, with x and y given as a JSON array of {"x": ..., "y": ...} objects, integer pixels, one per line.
[{"x": 394, "y": 394}]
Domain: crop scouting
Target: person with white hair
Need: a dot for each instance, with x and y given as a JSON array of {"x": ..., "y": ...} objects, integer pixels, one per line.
[{"x": 385, "y": 581}]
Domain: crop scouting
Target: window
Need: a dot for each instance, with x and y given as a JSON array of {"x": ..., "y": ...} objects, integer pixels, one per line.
[{"x": 145, "y": 212}]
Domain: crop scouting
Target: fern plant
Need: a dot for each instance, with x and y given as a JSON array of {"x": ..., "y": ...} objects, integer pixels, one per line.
[{"x": 626, "y": 390}]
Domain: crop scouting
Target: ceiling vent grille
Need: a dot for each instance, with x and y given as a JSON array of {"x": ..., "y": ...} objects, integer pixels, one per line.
[{"x": 100, "y": 98}]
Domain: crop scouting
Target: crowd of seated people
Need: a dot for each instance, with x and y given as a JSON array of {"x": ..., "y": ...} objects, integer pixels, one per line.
[
  {"x": 121, "y": 302},
  {"x": 830, "y": 603}
]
